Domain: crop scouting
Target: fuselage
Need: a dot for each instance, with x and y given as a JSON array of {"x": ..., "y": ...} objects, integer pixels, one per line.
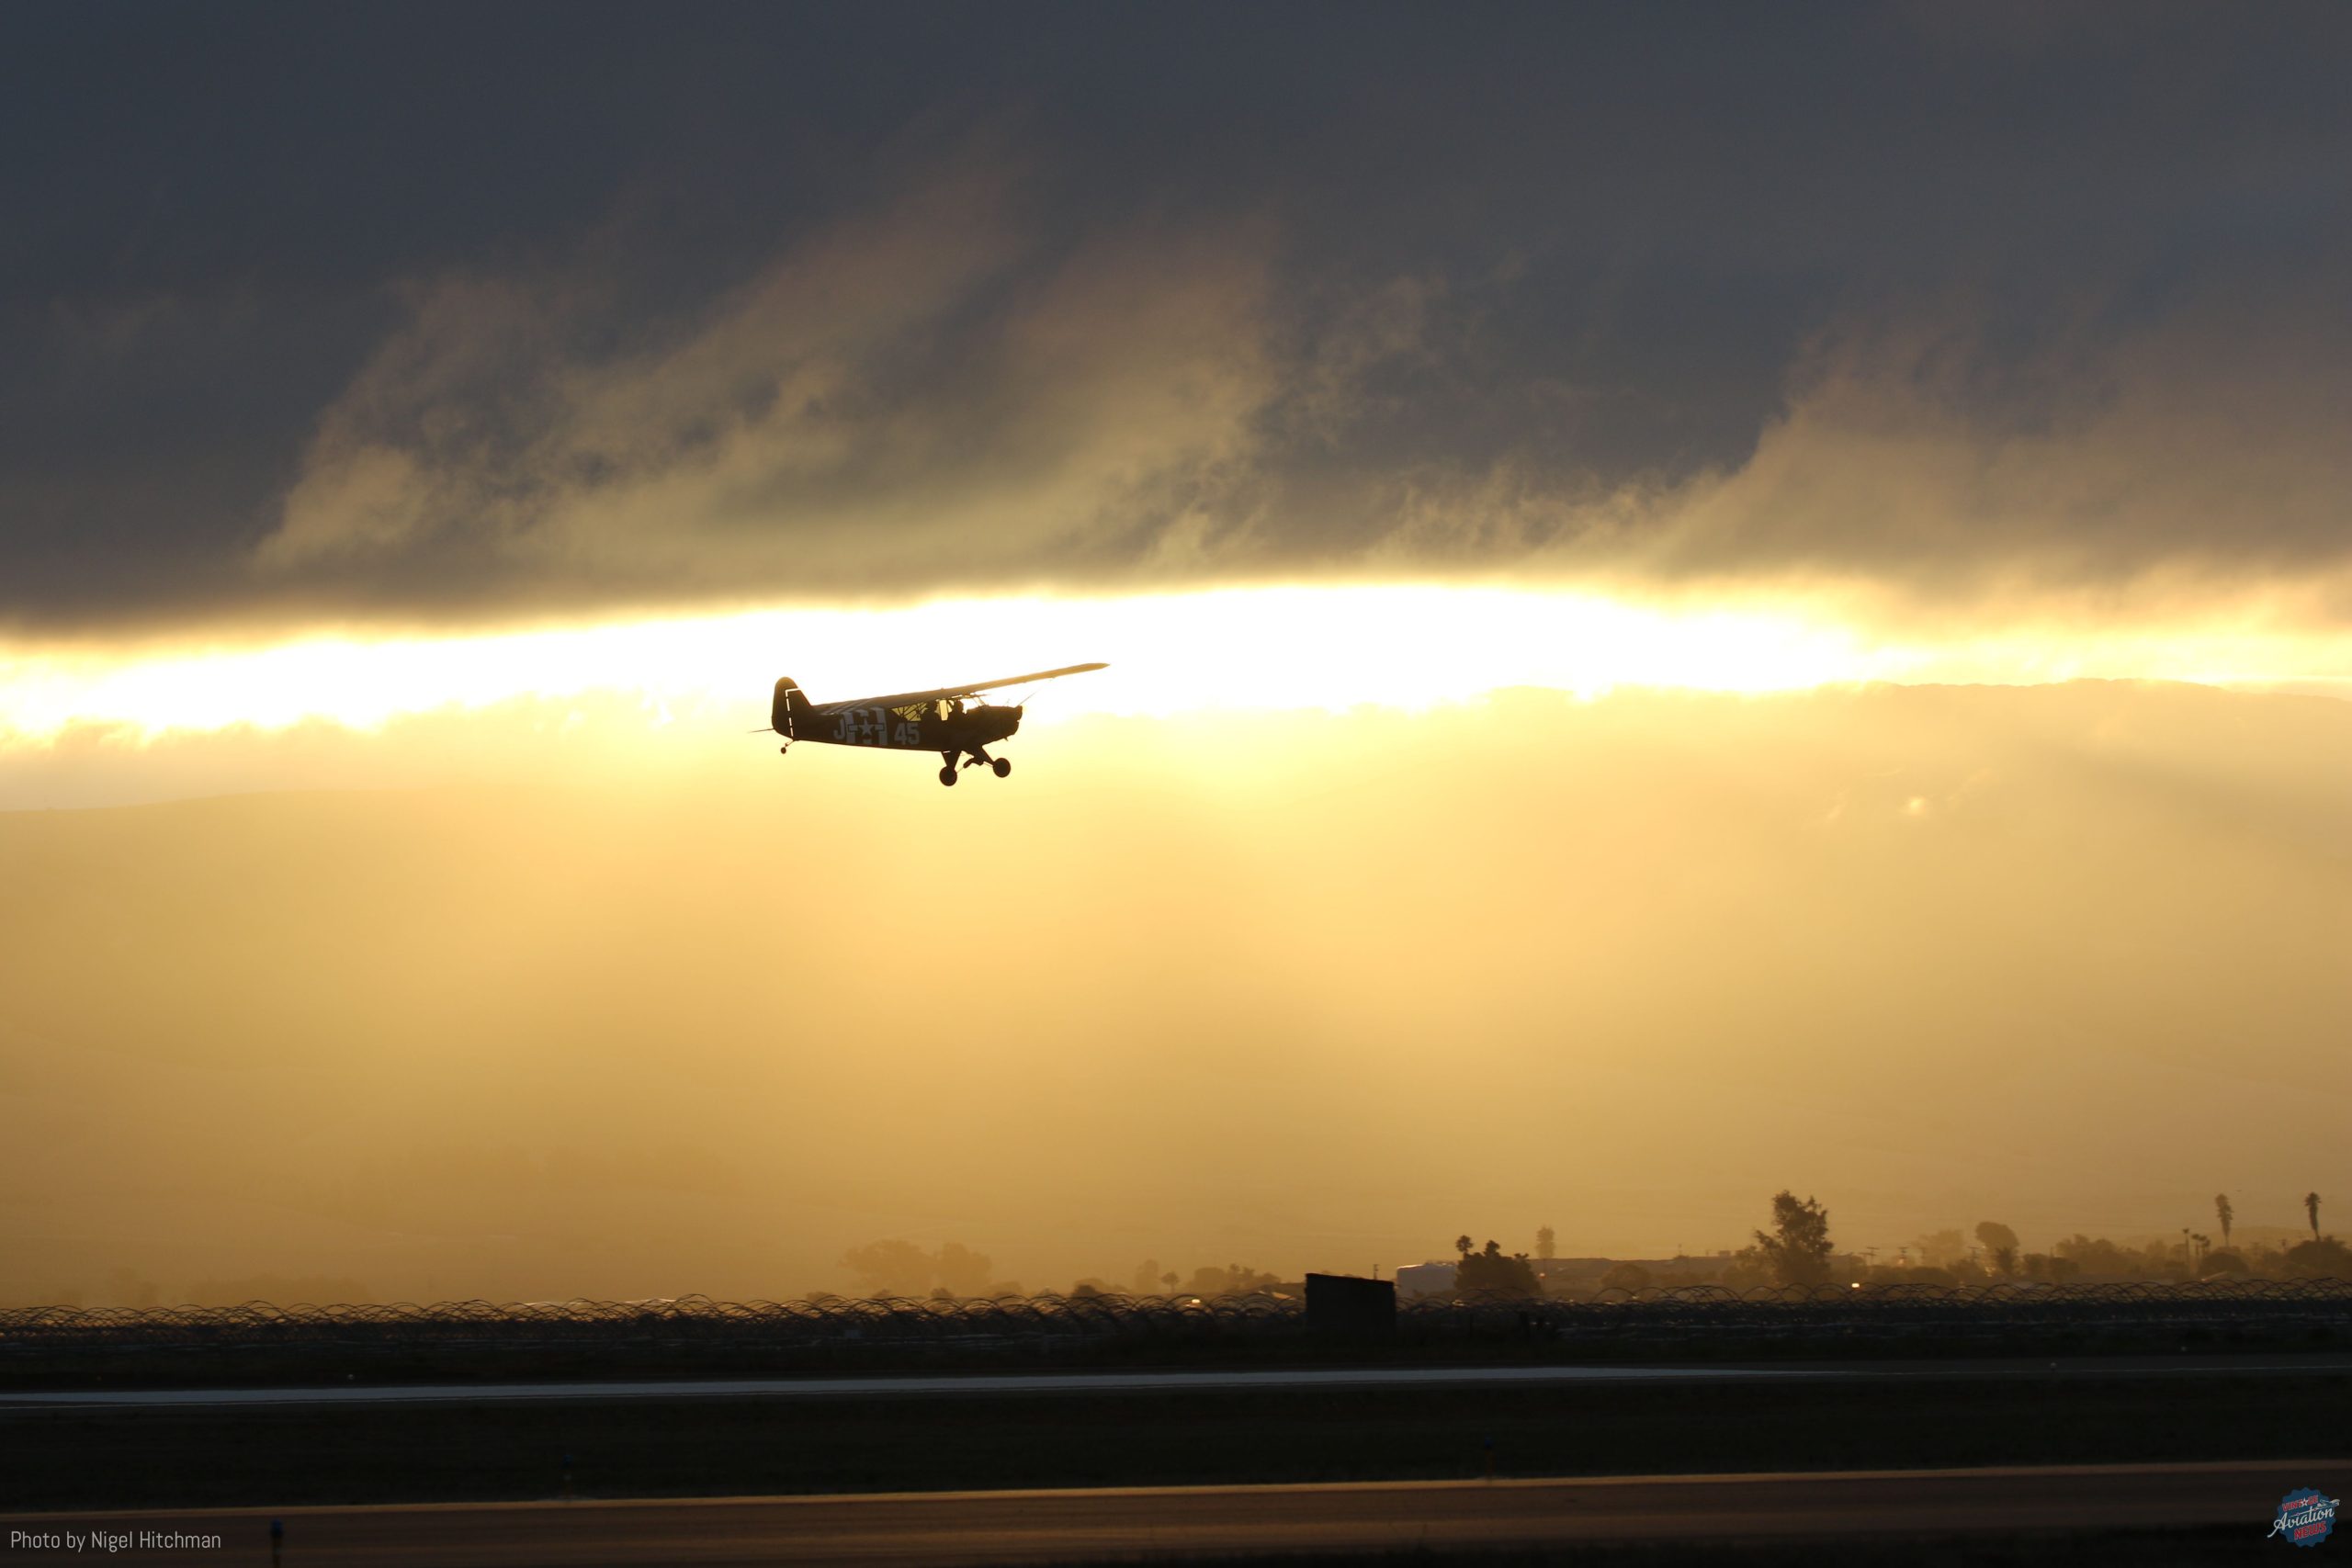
[{"x": 937, "y": 725}]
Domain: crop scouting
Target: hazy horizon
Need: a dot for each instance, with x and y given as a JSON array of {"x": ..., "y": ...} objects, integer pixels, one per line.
[{"x": 1293, "y": 990}]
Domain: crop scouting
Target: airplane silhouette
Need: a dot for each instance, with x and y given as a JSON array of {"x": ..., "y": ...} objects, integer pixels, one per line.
[{"x": 910, "y": 721}]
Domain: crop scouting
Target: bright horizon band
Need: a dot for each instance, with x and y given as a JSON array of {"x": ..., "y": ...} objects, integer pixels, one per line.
[{"x": 1287, "y": 647}]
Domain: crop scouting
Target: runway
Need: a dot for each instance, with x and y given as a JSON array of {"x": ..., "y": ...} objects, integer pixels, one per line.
[
  {"x": 926, "y": 1529},
  {"x": 988, "y": 1384}
]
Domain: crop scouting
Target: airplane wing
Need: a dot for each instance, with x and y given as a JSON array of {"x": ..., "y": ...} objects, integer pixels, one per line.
[{"x": 904, "y": 698}]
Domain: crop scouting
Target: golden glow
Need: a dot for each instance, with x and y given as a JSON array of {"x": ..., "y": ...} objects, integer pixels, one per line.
[
  {"x": 768, "y": 1009},
  {"x": 1406, "y": 646}
]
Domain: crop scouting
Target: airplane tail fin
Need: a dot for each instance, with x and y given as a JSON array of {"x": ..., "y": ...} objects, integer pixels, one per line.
[{"x": 791, "y": 702}]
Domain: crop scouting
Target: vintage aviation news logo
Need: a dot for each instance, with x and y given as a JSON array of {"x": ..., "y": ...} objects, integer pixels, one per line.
[{"x": 2306, "y": 1516}]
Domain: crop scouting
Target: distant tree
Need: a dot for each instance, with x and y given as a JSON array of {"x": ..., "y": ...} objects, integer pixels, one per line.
[
  {"x": 1748, "y": 1269},
  {"x": 1798, "y": 1245},
  {"x": 897, "y": 1268},
  {"x": 2098, "y": 1256},
  {"x": 1942, "y": 1249},
  {"x": 2223, "y": 1260},
  {"x": 2321, "y": 1258},
  {"x": 1463, "y": 1243},
  {"x": 1234, "y": 1278},
  {"x": 2310, "y": 1209},
  {"x": 2223, "y": 1212},
  {"x": 2000, "y": 1245},
  {"x": 1170, "y": 1281},
  {"x": 890, "y": 1268},
  {"x": 961, "y": 1271},
  {"x": 1492, "y": 1273},
  {"x": 1544, "y": 1243}
]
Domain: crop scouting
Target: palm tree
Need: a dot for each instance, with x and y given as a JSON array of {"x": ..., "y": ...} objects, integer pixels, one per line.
[
  {"x": 2222, "y": 1209},
  {"x": 2311, "y": 1207}
]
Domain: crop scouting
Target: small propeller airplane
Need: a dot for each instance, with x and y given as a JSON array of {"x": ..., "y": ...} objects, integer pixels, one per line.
[{"x": 910, "y": 721}]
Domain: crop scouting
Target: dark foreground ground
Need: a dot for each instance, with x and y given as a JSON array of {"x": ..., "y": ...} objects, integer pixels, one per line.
[
  {"x": 2148, "y": 1426},
  {"x": 2168, "y": 1514},
  {"x": 2082, "y": 1413}
]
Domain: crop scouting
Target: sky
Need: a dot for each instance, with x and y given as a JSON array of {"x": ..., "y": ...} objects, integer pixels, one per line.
[
  {"x": 429, "y": 316},
  {"x": 429, "y": 399}
]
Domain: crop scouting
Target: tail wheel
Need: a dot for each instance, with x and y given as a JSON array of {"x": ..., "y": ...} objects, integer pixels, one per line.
[
  {"x": 947, "y": 777},
  {"x": 1002, "y": 765}
]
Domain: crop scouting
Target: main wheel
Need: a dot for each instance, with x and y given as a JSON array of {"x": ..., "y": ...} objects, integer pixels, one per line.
[
  {"x": 1002, "y": 765},
  {"x": 947, "y": 775}
]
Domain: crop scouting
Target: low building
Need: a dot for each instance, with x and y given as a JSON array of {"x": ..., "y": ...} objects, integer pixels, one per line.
[
  {"x": 1348, "y": 1306},
  {"x": 1424, "y": 1279}
]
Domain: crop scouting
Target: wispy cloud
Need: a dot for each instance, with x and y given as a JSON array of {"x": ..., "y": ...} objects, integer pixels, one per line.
[{"x": 931, "y": 390}]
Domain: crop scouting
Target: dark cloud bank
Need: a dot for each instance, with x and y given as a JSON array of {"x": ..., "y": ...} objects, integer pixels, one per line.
[{"x": 444, "y": 311}]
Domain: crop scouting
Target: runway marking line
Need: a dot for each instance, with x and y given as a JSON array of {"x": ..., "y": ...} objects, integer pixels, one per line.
[{"x": 1018, "y": 1495}]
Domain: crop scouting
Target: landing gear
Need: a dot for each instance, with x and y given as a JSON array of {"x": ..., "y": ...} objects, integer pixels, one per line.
[
  {"x": 1001, "y": 766},
  {"x": 980, "y": 759}
]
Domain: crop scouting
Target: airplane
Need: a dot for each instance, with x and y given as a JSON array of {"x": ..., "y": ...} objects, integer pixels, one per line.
[{"x": 910, "y": 721}]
